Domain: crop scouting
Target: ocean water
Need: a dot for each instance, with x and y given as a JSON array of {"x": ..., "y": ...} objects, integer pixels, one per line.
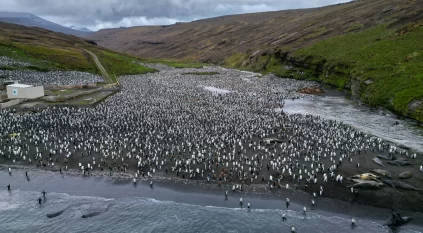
[
  {"x": 19, "y": 212},
  {"x": 166, "y": 207}
]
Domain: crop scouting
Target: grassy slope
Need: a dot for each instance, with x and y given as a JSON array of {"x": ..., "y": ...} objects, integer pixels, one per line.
[
  {"x": 47, "y": 50},
  {"x": 394, "y": 61},
  {"x": 391, "y": 58}
]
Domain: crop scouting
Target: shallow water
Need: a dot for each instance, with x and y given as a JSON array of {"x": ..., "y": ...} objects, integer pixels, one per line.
[{"x": 377, "y": 122}]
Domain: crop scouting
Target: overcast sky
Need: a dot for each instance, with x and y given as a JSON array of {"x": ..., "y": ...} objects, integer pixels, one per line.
[{"x": 98, "y": 14}]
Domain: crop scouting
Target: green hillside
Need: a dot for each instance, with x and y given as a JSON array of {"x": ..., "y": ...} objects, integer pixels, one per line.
[{"x": 382, "y": 66}]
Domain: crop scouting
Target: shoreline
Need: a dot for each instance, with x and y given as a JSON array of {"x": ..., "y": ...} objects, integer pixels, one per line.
[{"x": 200, "y": 193}]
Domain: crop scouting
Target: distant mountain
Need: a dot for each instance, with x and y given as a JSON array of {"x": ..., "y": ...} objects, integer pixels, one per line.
[
  {"x": 31, "y": 20},
  {"x": 83, "y": 29}
]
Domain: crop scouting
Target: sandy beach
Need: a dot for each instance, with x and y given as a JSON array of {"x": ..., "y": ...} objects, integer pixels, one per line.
[{"x": 201, "y": 193}]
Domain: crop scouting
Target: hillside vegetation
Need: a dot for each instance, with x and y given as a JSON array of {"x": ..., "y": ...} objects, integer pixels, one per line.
[
  {"x": 380, "y": 66},
  {"x": 371, "y": 48},
  {"x": 46, "y": 50}
]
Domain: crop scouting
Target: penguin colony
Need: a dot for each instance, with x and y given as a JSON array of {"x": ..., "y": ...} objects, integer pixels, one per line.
[{"x": 175, "y": 124}]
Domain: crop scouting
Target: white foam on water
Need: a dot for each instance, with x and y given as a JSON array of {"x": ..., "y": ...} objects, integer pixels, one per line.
[{"x": 7, "y": 206}]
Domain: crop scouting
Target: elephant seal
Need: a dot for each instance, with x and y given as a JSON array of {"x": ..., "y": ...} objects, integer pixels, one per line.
[
  {"x": 405, "y": 175},
  {"x": 91, "y": 214},
  {"x": 395, "y": 220},
  {"x": 95, "y": 213},
  {"x": 378, "y": 162},
  {"x": 382, "y": 172},
  {"x": 387, "y": 157},
  {"x": 400, "y": 162},
  {"x": 56, "y": 214},
  {"x": 366, "y": 176},
  {"x": 368, "y": 185},
  {"x": 403, "y": 147},
  {"x": 399, "y": 184}
]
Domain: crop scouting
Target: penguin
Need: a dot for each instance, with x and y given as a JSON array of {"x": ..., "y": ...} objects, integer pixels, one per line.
[
  {"x": 287, "y": 203},
  {"x": 284, "y": 217},
  {"x": 240, "y": 202}
]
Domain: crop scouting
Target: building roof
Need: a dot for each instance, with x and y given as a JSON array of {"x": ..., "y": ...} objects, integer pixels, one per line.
[{"x": 18, "y": 85}]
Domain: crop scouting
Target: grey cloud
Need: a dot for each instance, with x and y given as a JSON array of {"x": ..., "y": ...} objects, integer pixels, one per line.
[{"x": 97, "y": 14}]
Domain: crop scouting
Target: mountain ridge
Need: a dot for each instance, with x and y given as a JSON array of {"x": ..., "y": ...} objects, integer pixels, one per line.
[{"x": 31, "y": 20}]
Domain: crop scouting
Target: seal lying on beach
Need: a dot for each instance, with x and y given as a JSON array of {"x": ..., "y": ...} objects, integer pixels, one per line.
[
  {"x": 366, "y": 184},
  {"x": 366, "y": 176},
  {"x": 387, "y": 157},
  {"x": 405, "y": 175},
  {"x": 400, "y": 162},
  {"x": 382, "y": 172},
  {"x": 399, "y": 184},
  {"x": 378, "y": 162},
  {"x": 395, "y": 220}
]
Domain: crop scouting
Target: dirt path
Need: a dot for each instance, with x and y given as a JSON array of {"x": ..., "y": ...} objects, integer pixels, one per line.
[{"x": 100, "y": 67}]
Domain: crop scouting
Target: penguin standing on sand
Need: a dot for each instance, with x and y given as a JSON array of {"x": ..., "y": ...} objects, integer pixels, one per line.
[
  {"x": 248, "y": 205},
  {"x": 293, "y": 229},
  {"x": 8, "y": 188},
  {"x": 44, "y": 193},
  {"x": 287, "y": 203},
  {"x": 240, "y": 202},
  {"x": 284, "y": 217},
  {"x": 39, "y": 200},
  {"x": 10, "y": 171},
  {"x": 304, "y": 210},
  {"x": 226, "y": 195}
]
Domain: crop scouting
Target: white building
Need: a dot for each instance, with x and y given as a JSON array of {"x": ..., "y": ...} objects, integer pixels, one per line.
[{"x": 23, "y": 91}]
